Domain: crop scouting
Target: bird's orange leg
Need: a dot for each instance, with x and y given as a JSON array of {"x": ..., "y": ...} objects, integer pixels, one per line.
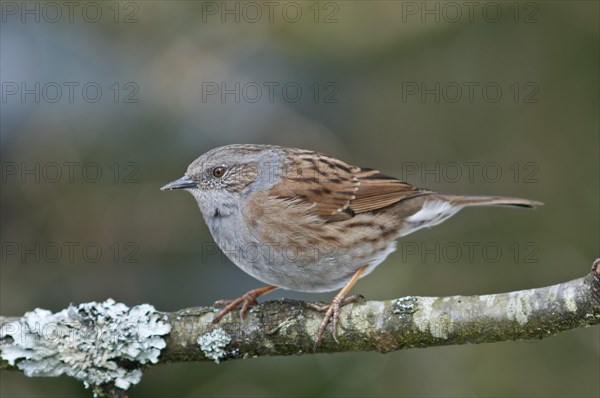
[
  {"x": 246, "y": 301},
  {"x": 332, "y": 311}
]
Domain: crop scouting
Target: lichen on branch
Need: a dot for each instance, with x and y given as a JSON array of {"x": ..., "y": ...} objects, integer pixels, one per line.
[
  {"x": 107, "y": 345},
  {"x": 93, "y": 342}
]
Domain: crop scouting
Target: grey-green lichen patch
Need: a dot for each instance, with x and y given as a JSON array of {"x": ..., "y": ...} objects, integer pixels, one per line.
[
  {"x": 88, "y": 342},
  {"x": 213, "y": 345},
  {"x": 519, "y": 308},
  {"x": 570, "y": 299},
  {"x": 430, "y": 319},
  {"x": 405, "y": 305}
]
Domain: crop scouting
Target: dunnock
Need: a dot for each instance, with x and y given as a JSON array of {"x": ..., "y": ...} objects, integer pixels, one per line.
[{"x": 304, "y": 221}]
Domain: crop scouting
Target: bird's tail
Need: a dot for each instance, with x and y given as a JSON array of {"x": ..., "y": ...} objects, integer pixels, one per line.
[{"x": 480, "y": 200}]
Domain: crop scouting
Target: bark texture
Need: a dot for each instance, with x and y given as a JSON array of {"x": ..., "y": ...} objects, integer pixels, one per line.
[{"x": 286, "y": 327}]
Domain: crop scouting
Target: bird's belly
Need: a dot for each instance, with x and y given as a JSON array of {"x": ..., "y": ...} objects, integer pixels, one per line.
[
  {"x": 292, "y": 269},
  {"x": 285, "y": 263}
]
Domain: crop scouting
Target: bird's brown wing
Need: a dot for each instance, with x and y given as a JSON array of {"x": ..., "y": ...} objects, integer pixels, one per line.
[
  {"x": 377, "y": 191},
  {"x": 337, "y": 190},
  {"x": 326, "y": 183}
]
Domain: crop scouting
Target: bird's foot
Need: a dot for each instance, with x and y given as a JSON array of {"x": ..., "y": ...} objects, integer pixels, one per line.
[
  {"x": 332, "y": 313},
  {"x": 246, "y": 301}
]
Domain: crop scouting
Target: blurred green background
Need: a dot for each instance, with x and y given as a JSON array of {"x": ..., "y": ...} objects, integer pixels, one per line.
[{"x": 383, "y": 84}]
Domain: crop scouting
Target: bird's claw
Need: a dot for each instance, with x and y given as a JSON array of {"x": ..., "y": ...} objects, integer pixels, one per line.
[
  {"x": 247, "y": 300},
  {"x": 332, "y": 313}
]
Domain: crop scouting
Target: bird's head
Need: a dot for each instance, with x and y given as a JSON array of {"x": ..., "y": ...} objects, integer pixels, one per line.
[{"x": 222, "y": 177}]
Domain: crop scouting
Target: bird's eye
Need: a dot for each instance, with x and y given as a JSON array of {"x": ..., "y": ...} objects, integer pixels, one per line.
[{"x": 218, "y": 171}]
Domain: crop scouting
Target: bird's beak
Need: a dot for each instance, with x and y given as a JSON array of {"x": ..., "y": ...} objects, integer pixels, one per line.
[{"x": 182, "y": 183}]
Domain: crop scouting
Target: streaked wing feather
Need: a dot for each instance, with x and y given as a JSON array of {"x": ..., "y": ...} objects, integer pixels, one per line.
[
  {"x": 379, "y": 191},
  {"x": 329, "y": 184},
  {"x": 336, "y": 189}
]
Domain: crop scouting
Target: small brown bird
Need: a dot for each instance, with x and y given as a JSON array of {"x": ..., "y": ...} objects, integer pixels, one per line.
[{"x": 301, "y": 220}]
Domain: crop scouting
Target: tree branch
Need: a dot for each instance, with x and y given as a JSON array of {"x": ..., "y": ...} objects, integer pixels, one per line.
[{"x": 107, "y": 345}]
